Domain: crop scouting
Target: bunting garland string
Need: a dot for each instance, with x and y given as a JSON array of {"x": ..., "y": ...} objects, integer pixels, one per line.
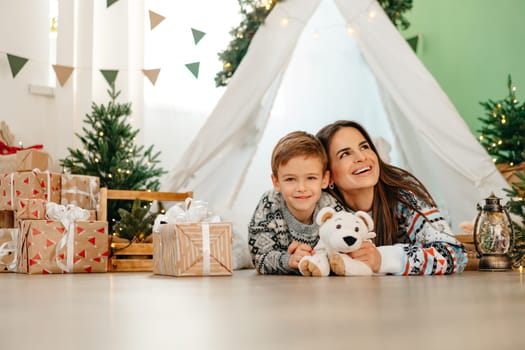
[{"x": 18, "y": 62}]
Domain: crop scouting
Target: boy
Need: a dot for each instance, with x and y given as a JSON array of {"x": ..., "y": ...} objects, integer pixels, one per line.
[{"x": 283, "y": 229}]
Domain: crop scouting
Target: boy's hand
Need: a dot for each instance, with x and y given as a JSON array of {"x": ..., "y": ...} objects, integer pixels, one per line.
[{"x": 298, "y": 250}]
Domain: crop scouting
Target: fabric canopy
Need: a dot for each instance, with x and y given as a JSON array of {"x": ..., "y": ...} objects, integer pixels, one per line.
[{"x": 427, "y": 135}]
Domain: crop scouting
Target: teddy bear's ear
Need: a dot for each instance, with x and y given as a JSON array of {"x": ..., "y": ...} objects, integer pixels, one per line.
[
  {"x": 323, "y": 215},
  {"x": 366, "y": 219}
]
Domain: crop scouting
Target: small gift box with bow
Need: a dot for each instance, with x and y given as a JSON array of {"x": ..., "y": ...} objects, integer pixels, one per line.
[
  {"x": 65, "y": 243},
  {"x": 192, "y": 243}
]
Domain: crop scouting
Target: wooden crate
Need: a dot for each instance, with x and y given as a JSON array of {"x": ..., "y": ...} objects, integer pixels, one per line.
[{"x": 135, "y": 257}]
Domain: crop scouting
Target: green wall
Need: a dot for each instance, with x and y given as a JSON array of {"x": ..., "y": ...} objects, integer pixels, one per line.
[{"x": 470, "y": 46}]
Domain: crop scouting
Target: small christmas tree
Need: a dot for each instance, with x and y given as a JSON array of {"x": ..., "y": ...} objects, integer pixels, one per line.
[
  {"x": 135, "y": 225},
  {"x": 516, "y": 206},
  {"x": 111, "y": 154},
  {"x": 503, "y": 132}
]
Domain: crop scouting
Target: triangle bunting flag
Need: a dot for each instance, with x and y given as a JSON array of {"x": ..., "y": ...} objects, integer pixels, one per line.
[
  {"x": 197, "y": 35},
  {"x": 152, "y": 74},
  {"x": 194, "y": 68},
  {"x": 16, "y": 63},
  {"x": 63, "y": 73},
  {"x": 109, "y": 75},
  {"x": 110, "y": 2},
  {"x": 155, "y": 19}
]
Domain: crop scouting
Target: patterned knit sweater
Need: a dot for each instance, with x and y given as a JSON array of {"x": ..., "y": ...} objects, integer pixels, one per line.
[
  {"x": 426, "y": 246},
  {"x": 272, "y": 229}
]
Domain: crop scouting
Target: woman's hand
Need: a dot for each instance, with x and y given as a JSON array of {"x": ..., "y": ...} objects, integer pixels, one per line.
[
  {"x": 298, "y": 250},
  {"x": 368, "y": 254}
]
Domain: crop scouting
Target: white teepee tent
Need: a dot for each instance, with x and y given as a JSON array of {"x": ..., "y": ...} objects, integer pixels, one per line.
[{"x": 317, "y": 61}]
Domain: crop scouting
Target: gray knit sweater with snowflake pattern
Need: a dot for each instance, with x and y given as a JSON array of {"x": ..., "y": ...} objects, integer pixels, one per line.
[{"x": 272, "y": 229}]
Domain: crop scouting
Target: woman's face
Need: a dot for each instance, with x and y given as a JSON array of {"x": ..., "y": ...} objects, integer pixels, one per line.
[{"x": 354, "y": 165}]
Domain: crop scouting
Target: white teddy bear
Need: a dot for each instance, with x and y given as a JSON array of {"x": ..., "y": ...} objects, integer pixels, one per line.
[{"x": 339, "y": 232}]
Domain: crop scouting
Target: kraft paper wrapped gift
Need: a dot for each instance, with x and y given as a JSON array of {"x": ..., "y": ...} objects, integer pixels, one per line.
[
  {"x": 29, "y": 159},
  {"x": 8, "y": 241},
  {"x": 28, "y": 184},
  {"x": 193, "y": 249},
  {"x": 46, "y": 246},
  {"x": 30, "y": 209},
  {"x": 7, "y": 163},
  {"x": 81, "y": 190}
]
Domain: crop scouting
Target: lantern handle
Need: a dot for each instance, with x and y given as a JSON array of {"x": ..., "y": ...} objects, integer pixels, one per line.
[{"x": 475, "y": 230}]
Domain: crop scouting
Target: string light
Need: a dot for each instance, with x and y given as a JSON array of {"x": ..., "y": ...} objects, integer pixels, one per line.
[
  {"x": 350, "y": 30},
  {"x": 317, "y": 35},
  {"x": 284, "y": 22},
  {"x": 372, "y": 14}
]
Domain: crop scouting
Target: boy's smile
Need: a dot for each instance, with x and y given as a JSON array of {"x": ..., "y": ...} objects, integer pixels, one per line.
[{"x": 300, "y": 182}]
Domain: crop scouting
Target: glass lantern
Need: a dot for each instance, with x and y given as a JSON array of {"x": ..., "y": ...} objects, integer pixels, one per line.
[{"x": 493, "y": 235}]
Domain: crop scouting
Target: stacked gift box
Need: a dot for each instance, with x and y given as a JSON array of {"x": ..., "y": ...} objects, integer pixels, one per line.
[{"x": 47, "y": 220}]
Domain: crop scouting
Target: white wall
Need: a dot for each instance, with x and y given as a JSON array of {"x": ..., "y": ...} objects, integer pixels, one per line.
[{"x": 90, "y": 37}]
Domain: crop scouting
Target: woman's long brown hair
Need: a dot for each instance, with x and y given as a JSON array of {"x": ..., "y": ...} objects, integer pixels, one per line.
[{"x": 387, "y": 190}]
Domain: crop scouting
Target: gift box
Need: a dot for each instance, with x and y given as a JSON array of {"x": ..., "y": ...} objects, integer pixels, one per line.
[
  {"x": 30, "y": 209},
  {"x": 80, "y": 190},
  {"x": 7, "y": 219},
  {"x": 28, "y": 184},
  {"x": 193, "y": 249},
  {"x": 8, "y": 242},
  {"x": 7, "y": 163},
  {"x": 47, "y": 246},
  {"x": 29, "y": 159}
]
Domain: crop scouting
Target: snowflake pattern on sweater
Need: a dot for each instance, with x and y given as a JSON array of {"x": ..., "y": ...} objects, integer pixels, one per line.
[
  {"x": 429, "y": 245},
  {"x": 272, "y": 229}
]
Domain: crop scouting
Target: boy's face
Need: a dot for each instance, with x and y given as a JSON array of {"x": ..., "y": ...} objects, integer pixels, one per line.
[{"x": 300, "y": 182}]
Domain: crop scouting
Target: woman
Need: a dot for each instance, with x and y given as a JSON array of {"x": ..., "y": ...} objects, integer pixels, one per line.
[{"x": 412, "y": 236}]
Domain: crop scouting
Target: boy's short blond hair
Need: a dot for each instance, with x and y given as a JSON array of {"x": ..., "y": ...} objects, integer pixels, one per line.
[{"x": 297, "y": 143}]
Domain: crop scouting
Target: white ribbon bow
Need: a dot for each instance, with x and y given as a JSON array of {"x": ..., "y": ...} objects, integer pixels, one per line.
[{"x": 67, "y": 215}]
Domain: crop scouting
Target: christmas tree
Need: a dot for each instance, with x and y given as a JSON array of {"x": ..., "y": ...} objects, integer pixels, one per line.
[
  {"x": 110, "y": 153},
  {"x": 503, "y": 130}
]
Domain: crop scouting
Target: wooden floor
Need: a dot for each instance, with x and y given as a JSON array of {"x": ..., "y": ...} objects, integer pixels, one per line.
[{"x": 476, "y": 310}]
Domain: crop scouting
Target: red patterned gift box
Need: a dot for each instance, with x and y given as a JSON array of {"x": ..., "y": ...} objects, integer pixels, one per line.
[
  {"x": 28, "y": 184},
  {"x": 80, "y": 190},
  {"x": 8, "y": 240},
  {"x": 30, "y": 209},
  {"x": 45, "y": 246}
]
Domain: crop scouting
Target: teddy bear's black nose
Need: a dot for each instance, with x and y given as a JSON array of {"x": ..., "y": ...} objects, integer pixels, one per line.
[{"x": 349, "y": 240}]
